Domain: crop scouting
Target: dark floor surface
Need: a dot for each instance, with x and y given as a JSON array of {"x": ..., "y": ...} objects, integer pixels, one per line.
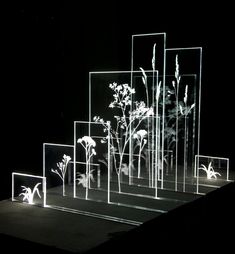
[{"x": 207, "y": 222}]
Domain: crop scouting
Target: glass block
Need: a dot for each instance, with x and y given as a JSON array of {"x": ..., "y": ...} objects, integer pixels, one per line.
[
  {"x": 30, "y": 189},
  {"x": 212, "y": 172}
]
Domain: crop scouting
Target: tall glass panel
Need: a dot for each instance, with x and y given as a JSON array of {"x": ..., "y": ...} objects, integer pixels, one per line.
[
  {"x": 132, "y": 112},
  {"x": 148, "y": 54},
  {"x": 182, "y": 115}
]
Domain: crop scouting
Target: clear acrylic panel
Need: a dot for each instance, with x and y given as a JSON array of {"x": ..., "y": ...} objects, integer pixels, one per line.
[
  {"x": 132, "y": 119},
  {"x": 148, "y": 53},
  {"x": 91, "y": 153},
  {"x": 182, "y": 116},
  {"x": 30, "y": 189},
  {"x": 58, "y": 170},
  {"x": 212, "y": 172}
]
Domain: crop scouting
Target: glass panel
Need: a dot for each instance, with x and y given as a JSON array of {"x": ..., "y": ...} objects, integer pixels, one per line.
[
  {"x": 58, "y": 170},
  {"x": 148, "y": 54},
  {"x": 132, "y": 123},
  {"x": 182, "y": 116},
  {"x": 29, "y": 189},
  {"x": 212, "y": 172},
  {"x": 92, "y": 160}
]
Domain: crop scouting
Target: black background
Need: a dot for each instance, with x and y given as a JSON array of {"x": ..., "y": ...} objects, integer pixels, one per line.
[{"x": 48, "y": 48}]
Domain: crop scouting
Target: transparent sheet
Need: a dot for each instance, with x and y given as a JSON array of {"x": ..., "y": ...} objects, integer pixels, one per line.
[
  {"x": 58, "y": 170},
  {"x": 182, "y": 116},
  {"x": 212, "y": 172},
  {"x": 148, "y": 53},
  {"x": 91, "y": 154},
  {"x": 30, "y": 189},
  {"x": 139, "y": 121}
]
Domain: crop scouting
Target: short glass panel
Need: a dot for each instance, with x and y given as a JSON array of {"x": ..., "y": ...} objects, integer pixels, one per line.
[
  {"x": 182, "y": 116},
  {"x": 212, "y": 172},
  {"x": 30, "y": 189}
]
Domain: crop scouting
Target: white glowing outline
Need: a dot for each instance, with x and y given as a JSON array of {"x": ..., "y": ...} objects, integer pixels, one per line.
[
  {"x": 97, "y": 215},
  {"x": 43, "y": 179}
]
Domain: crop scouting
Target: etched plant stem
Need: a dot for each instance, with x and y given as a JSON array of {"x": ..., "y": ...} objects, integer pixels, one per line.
[
  {"x": 141, "y": 147},
  {"x": 126, "y": 140},
  {"x": 177, "y": 77},
  {"x": 176, "y": 140},
  {"x": 185, "y": 151},
  {"x": 87, "y": 166},
  {"x": 139, "y": 160},
  {"x": 144, "y": 79}
]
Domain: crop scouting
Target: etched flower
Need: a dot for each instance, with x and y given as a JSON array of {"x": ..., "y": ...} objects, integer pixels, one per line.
[
  {"x": 87, "y": 140},
  {"x": 141, "y": 110},
  {"x": 122, "y": 95},
  {"x": 66, "y": 159},
  {"x": 142, "y": 133},
  {"x": 141, "y": 142}
]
